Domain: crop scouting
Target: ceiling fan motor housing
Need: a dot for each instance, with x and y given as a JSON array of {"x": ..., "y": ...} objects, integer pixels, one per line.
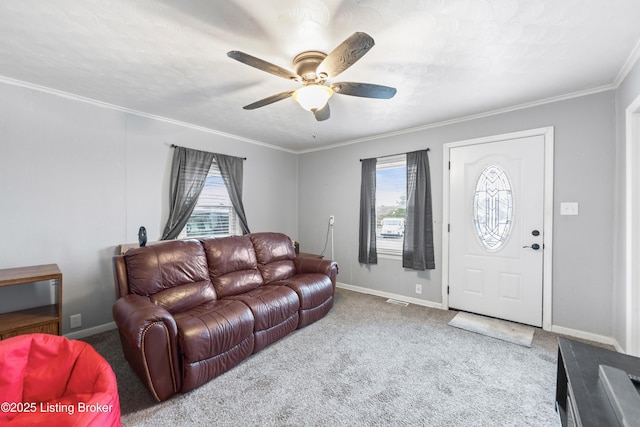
[{"x": 306, "y": 63}]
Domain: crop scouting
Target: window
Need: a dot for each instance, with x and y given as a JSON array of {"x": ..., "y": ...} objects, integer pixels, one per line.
[
  {"x": 213, "y": 215},
  {"x": 493, "y": 207},
  {"x": 391, "y": 204}
]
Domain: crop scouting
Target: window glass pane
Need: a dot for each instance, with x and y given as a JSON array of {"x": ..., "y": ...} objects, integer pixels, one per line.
[
  {"x": 493, "y": 207},
  {"x": 391, "y": 204},
  {"x": 213, "y": 215}
]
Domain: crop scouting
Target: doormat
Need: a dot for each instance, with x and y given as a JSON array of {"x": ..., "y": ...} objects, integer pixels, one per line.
[{"x": 515, "y": 333}]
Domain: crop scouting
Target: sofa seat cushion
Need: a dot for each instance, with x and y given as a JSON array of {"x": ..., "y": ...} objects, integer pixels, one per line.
[
  {"x": 315, "y": 292},
  {"x": 275, "y": 310},
  {"x": 213, "y": 338},
  {"x": 213, "y": 328}
]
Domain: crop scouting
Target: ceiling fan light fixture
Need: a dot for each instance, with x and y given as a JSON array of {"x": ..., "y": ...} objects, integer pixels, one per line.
[{"x": 313, "y": 96}]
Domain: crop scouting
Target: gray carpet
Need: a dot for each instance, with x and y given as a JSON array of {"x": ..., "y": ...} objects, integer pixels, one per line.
[
  {"x": 515, "y": 333},
  {"x": 367, "y": 363}
]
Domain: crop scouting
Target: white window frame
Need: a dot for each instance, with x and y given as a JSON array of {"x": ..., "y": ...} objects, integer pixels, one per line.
[
  {"x": 214, "y": 201},
  {"x": 387, "y": 248}
]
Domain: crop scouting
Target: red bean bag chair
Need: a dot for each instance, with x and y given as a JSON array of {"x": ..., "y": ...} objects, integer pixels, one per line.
[{"x": 53, "y": 381}]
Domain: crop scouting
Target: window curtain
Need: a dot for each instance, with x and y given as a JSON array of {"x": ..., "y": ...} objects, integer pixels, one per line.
[
  {"x": 189, "y": 170},
  {"x": 367, "y": 252},
  {"x": 231, "y": 170},
  {"x": 417, "y": 249}
]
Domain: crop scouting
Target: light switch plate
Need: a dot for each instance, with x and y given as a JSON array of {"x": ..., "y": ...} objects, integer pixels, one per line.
[{"x": 569, "y": 208}]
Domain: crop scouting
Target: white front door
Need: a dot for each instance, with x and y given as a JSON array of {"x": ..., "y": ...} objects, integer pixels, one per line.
[{"x": 496, "y": 220}]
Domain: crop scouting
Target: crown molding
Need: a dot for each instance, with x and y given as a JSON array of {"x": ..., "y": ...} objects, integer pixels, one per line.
[
  {"x": 632, "y": 59},
  {"x": 537, "y": 103},
  {"x": 628, "y": 65},
  {"x": 74, "y": 97}
]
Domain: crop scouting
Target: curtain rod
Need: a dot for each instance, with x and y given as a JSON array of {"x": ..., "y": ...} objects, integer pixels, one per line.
[
  {"x": 391, "y": 155},
  {"x": 177, "y": 146}
]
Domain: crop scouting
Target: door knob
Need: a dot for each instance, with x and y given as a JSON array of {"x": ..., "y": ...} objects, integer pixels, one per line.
[{"x": 535, "y": 246}]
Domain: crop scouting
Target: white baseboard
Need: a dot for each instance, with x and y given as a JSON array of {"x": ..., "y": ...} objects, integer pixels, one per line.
[
  {"x": 554, "y": 328},
  {"x": 557, "y": 329},
  {"x": 91, "y": 331},
  {"x": 587, "y": 336},
  {"x": 383, "y": 294}
]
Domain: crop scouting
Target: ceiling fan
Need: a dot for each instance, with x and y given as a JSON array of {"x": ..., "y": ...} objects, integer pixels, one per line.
[{"x": 313, "y": 69}]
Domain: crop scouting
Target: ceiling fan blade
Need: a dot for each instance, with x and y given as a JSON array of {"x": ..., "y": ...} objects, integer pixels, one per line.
[
  {"x": 263, "y": 65},
  {"x": 365, "y": 90},
  {"x": 269, "y": 100},
  {"x": 322, "y": 114},
  {"x": 345, "y": 55}
]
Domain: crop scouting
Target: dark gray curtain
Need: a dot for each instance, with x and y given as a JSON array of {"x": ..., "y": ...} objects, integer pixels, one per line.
[
  {"x": 189, "y": 170},
  {"x": 231, "y": 170},
  {"x": 367, "y": 252},
  {"x": 417, "y": 249}
]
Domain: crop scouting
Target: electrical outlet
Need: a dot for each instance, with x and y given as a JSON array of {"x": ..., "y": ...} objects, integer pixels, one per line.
[
  {"x": 332, "y": 219},
  {"x": 52, "y": 282},
  {"x": 75, "y": 321},
  {"x": 418, "y": 288}
]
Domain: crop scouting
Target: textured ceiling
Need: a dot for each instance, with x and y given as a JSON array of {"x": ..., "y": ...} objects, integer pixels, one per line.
[{"x": 447, "y": 58}]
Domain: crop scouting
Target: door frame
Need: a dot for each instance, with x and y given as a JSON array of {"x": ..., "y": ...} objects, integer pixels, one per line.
[
  {"x": 547, "y": 261},
  {"x": 632, "y": 223}
]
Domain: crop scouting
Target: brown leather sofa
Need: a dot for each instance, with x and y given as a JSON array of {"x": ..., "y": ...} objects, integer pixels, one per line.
[{"x": 189, "y": 310}]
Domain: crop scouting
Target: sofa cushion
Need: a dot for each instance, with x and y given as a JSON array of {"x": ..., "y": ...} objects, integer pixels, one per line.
[
  {"x": 232, "y": 265},
  {"x": 213, "y": 328},
  {"x": 315, "y": 292},
  {"x": 270, "y": 305},
  {"x": 278, "y": 270},
  {"x": 152, "y": 269},
  {"x": 184, "y": 297},
  {"x": 275, "y": 310},
  {"x": 270, "y": 247},
  {"x": 275, "y": 253},
  {"x": 213, "y": 338}
]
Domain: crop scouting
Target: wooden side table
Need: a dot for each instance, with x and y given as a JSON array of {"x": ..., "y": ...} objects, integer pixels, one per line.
[{"x": 45, "y": 319}]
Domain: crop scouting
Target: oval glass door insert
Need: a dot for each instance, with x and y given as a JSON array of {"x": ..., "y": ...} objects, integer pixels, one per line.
[{"x": 493, "y": 207}]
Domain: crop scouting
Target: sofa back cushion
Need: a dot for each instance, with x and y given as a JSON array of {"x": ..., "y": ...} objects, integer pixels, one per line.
[
  {"x": 173, "y": 274},
  {"x": 183, "y": 297},
  {"x": 233, "y": 268},
  {"x": 275, "y": 253}
]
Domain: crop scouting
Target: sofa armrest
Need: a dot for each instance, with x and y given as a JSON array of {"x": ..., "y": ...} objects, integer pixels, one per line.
[
  {"x": 149, "y": 340},
  {"x": 317, "y": 265}
]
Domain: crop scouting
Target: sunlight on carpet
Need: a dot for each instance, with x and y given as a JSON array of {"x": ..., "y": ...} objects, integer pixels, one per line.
[{"x": 500, "y": 329}]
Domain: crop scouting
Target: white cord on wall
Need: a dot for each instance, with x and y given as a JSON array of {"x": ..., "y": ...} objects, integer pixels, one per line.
[
  {"x": 332, "y": 221},
  {"x": 329, "y": 229}
]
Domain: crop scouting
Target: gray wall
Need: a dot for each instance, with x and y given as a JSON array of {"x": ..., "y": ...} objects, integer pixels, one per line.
[
  {"x": 585, "y": 137},
  {"x": 77, "y": 180}
]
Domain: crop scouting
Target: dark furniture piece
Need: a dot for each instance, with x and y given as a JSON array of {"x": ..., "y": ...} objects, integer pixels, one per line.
[
  {"x": 189, "y": 310},
  {"x": 581, "y": 399}
]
